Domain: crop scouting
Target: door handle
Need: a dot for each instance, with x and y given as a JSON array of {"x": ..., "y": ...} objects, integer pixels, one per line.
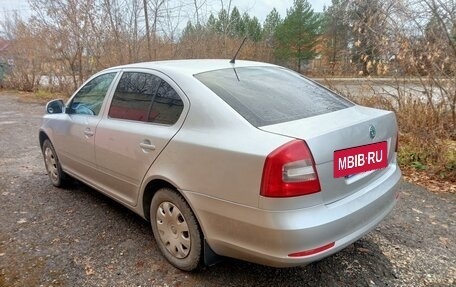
[
  {"x": 147, "y": 145},
  {"x": 88, "y": 132}
]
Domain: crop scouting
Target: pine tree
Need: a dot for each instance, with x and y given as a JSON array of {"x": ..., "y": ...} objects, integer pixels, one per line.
[
  {"x": 237, "y": 26},
  {"x": 270, "y": 25},
  {"x": 297, "y": 35},
  {"x": 211, "y": 23},
  {"x": 254, "y": 29},
  {"x": 222, "y": 22},
  {"x": 188, "y": 31}
]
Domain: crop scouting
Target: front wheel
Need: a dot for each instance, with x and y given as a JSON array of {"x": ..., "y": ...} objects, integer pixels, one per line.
[
  {"x": 176, "y": 229},
  {"x": 56, "y": 175}
]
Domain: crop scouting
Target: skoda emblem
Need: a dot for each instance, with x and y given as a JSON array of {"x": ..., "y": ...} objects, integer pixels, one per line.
[{"x": 372, "y": 132}]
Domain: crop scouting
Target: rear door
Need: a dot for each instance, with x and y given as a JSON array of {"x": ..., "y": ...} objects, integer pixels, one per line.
[{"x": 145, "y": 112}]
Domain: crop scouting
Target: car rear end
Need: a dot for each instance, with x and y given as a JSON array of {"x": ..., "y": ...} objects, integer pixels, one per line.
[
  {"x": 332, "y": 181},
  {"x": 327, "y": 211}
]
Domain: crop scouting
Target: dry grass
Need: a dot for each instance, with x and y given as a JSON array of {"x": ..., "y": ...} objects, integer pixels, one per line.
[
  {"x": 427, "y": 140},
  {"x": 38, "y": 97},
  {"x": 426, "y": 143}
]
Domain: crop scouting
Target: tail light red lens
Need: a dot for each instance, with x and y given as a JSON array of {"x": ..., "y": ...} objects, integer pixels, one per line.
[{"x": 290, "y": 171}]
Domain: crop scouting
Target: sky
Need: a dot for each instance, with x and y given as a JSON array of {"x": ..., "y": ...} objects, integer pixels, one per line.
[{"x": 258, "y": 8}]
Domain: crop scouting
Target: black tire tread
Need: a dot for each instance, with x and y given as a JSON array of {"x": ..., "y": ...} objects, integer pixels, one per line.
[
  {"x": 194, "y": 260},
  {"x": 63, "y": 178}
]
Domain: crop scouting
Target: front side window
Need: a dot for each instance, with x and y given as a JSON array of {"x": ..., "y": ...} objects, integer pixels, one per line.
[
  {"x": 90, "y": 97},
  {"x": 147, "y": 98}
]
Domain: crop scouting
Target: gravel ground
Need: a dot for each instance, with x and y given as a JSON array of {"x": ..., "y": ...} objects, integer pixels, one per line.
[{"x": 78, "y": 237}]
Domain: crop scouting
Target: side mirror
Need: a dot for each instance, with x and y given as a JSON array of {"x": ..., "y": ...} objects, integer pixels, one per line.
[{"x": 55, "y": 107}]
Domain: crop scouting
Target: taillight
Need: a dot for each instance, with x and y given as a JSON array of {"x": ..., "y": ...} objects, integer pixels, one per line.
[{"x": 290, "y": 171}]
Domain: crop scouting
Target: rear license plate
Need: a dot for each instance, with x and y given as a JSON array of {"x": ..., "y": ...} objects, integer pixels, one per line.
[{"x": 360, "y": 159}]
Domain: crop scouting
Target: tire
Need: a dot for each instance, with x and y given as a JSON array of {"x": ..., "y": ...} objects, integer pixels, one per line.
[
  {"x": 54, "y": 169},
  {"x": 176, "y": 229}
]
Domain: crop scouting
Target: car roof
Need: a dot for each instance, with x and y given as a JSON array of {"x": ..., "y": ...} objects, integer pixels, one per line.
[{"x": 192, "y": 67}]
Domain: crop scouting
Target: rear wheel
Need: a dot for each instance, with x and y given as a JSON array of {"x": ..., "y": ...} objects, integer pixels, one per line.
[
  {"x": 56, "y": 175},
  {"x": 176, "y": 229}
]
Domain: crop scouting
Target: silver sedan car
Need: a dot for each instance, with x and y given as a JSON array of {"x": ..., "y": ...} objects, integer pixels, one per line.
[{"x": 246, "y": 160}]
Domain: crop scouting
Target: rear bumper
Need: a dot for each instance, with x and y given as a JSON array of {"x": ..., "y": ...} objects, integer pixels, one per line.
[{"x": 267, "y": 237}]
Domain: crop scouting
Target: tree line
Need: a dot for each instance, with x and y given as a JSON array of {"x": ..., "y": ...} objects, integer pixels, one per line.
[{"x": 72, "y": 39}]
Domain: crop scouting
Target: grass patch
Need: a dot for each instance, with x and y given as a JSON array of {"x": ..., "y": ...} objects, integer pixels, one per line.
[
  {"x": 427, "y": 141},
  {"x": 435, "y": 157},
  {"x": 40, "y": 96},
  {"x": 44, "y": 95},
  {"x": 427, "y": 136}
]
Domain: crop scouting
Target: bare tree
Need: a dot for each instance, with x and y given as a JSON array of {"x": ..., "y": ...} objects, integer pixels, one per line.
[
  {"x": 146, "y": 16},
  {"x": 426, "y": 30},
  {"x": 69, "y": 26},
  {"x": 157, "y": 14},
  {"x": 27, "y": 49}
]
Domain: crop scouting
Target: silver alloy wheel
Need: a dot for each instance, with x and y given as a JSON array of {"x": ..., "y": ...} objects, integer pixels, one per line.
[
  {"x": 51, "y": 164},
  {"x": 173, "y": 230}
]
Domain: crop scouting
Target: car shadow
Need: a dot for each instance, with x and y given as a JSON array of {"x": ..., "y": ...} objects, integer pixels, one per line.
[{"x": 360, "y": 264}]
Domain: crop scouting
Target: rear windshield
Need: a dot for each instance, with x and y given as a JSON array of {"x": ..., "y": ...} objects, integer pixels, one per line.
[{"x": 271, "y": 95}]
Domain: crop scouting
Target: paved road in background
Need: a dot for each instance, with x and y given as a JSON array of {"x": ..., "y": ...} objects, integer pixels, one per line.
[{"x": 78, "y": 237}]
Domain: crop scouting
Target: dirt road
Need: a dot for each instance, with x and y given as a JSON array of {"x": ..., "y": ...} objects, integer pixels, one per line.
[{"x": 78, "y": 237}]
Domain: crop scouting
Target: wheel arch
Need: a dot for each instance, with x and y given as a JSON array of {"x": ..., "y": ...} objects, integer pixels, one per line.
[
  {"x": 151, "y": 188},
  {"x": 42, "y": 137},
  {"x": 209, "y": 256}
]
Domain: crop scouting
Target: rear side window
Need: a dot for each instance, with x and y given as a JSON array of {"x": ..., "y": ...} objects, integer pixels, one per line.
[
  {"x": 133, "y": 97},
  {"x": 147, "y": 98},
  {"x": 167, "y": 105},
  {"x": 271, "y": 95}
]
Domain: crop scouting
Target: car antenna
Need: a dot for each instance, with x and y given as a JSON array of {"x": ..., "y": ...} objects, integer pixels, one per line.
[{"x": 235, "y": 55}]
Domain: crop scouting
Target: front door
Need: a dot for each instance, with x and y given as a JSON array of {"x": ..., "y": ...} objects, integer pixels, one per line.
[{"x": 75, "y": 135}]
